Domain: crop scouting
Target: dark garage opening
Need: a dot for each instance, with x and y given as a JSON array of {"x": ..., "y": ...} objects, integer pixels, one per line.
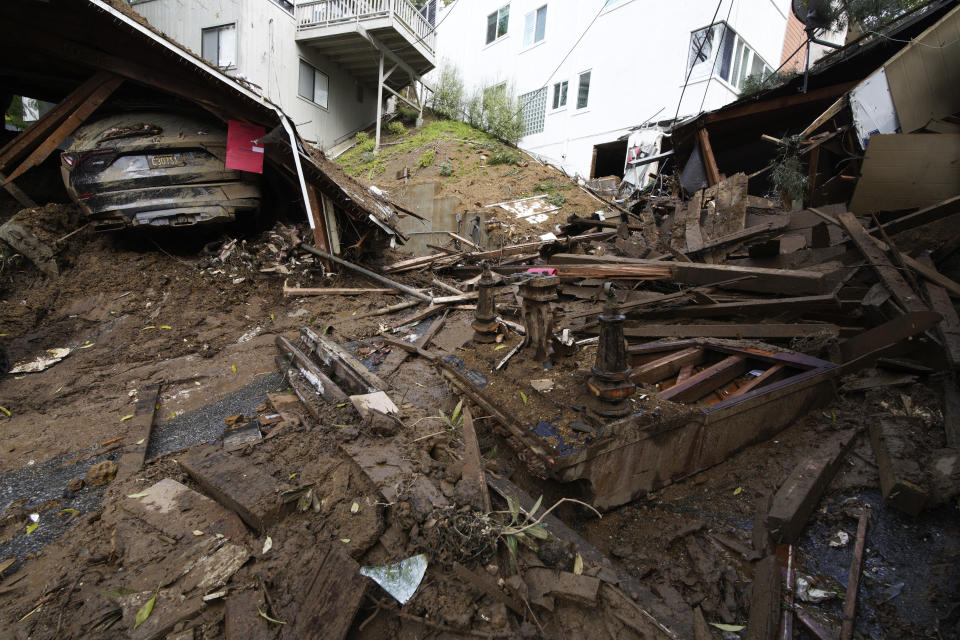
[{"x": 608, "y": 159}]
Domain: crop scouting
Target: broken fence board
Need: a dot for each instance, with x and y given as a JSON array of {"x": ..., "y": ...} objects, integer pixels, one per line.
[
  {"x": 140, "y": 427},
  {"x": 177, "y": 510},
  {"x": 729, "y": 330},
  {"x": 799, "y": 494},
  {"x": 905, "y": 296},
  {"x": 898, "y": 491},
  {"x": 237, "y": 483},
  {"x": 472, "y": 484},
  {"x": 329, "y": 591},
  {"x": 343, "y": 363}
]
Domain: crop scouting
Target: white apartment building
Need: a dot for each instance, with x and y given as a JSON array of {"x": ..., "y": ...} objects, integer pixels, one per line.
[
  {"x": 324, "y": 62},
  {"x": 589, "y": 71}
]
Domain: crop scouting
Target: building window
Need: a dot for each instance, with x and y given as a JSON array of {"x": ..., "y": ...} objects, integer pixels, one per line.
[
  {"x": 313, "y": 84},
  {"x": 535, "y": 26},
  {"x": 533, "y": 108},
  {"x": 497, "y": 23},
  {"x": 583, "y": 90},
  {"x": 737, "y": 60},
  {"x": 560, "y": 94},
  {"x": 219, "y": 45}
]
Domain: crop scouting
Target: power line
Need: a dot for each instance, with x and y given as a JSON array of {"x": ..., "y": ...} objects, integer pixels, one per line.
[
  {"x": 696, "y": 55},
  {"x": 706, "y": 87}
]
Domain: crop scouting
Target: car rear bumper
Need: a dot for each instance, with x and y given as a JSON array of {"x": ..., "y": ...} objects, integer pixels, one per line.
[{"x": 171, "y": 206}]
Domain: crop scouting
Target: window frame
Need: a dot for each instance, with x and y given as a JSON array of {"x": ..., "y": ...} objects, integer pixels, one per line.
[
  {"x": 586, "y": 104},
  {"x": 497, "y": 14},
  {"x": 561, "y": 90},
  {"x": 311, "y": 99},
  {"x": 219, "y": 29},
  {"x": 736, "y": 62},
  {"x": 535, "y": 14}
]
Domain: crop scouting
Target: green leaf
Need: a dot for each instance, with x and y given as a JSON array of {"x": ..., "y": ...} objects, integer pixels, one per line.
[
  {"x": 499, "y": 346},
  {"x": 738, "y": 491},
  {"x": 145, "y": 610},
  {"x": 142, "y": 494},
  {"x": 268, "y": 618},
  {"x": 511, "y": 544},
  {"x": 342, "y": 404},
  {"x": 126, "y": 417},
  {"x": 514, "y": 509},
  {"x": 355, "y": 507},
  {"x": 32, "y": 527},
  {"x": 536, "y": 505},
  {"x": 728, "y": 627},
  {"x": 456, "y": 412},
  {"x": 538, "y": 531},
  {"x": 523, "y": 397},
  {"x": 67, "y": 510}
]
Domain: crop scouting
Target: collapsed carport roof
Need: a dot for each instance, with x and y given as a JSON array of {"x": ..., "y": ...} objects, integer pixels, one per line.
[{"x": 50, "y": 47}]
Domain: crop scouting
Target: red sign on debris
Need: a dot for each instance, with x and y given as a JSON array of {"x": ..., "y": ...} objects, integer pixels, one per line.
[{"x": 244, "y": 152}]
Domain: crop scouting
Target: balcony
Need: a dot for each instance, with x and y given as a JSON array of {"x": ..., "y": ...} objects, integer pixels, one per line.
[{"x": 349, "y": 32}]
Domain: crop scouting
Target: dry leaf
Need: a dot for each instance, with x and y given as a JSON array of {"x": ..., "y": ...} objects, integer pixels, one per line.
[
  {"x": 138, "y": 495},
  {"x": 267, "y": 545},
  {"x": 354, "y": 507},
  {"x": 145, "y": 610},
  {"x": 728, "y": 627},
  {"x": 578, "y": 565}
]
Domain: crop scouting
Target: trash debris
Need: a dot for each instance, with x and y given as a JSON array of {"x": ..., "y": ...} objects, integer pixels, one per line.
[
  {"x": 400, "y": 579},
  {"x": 42, "y": 362}
]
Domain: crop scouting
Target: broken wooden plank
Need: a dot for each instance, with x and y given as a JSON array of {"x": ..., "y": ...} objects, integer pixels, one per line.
[
  {"x": 416, "y": 293},
  {"x": 729, "y": 330},
  {"x": 764, "y": 617},
  {"x": 237, "y": 483},
  {"x": 321, "y": 383},
  {"x": 864, "y": 349},
  {"x": 748, "y": 307},
  {"x": 800, "y": 493},
  {"x": 822, "y": 119},
  {"x": 169, "y": 609},
  {"x": 949, "y": 328},
  {"x": 896, "y": 485},
  {"x": 472, "y": 488},
  {"x": 780, "y": 281},
  {"x": 700, "y": 384},
  {"x": 242, "y": 619},
  {"x": 709, "y": 162},
  {"x": 361, "y": 379},
  {"x": 579, "y": 589},
  {"x": 67, "y": 127},
  {"x": 923, "y": 216},
  {"x": 334, "y": 291},
  {"x": 329, "y": 591},
  {"x": 774, "y": 373},
  {"x": 667, "y": 366},
  {"x": 853, "y": 579},
  {"x": 177, "y": 511},
  {"x": 139, "y": 429},
  {"x": 318, "y": 224},
  {"x": 905, "y": 296}
]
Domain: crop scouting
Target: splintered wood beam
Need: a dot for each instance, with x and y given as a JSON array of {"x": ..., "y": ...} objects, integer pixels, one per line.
[
  {"x": 33, "y": 135},
  {"x": 728, "y": 330},
  {"x": 921, "y": 217},
  {"x": 709, "y": 162},
  {"x": 318, "y": 225},
  {"x": 67, "y": 127},
  {"x": 700, "y": 384},
  {"x": 747, "y": 307},
  {"x": 685, "y": 372},
  {"x": 822, "y": 119},
  {"x": 772, "y": 374},
  {"x": 667, "y": 366},
  {"x": 905, "y": 296}
]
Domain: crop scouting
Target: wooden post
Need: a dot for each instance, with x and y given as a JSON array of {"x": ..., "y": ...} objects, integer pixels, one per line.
[
  {"x": 376, "y": 147},
  {"x": 709, "y": 162},
  {"x": 318, "y": 225},
  {"x": 68, "y": 126},
  {"x": 850, "y": 600}
]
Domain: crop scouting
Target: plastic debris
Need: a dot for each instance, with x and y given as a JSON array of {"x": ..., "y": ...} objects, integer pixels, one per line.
[
  {"x": 839, "y": 539},
  {"x": 400, "y": 579},
  {"x": 808, "y": 592},
  {"x": 40, "y": 363}
]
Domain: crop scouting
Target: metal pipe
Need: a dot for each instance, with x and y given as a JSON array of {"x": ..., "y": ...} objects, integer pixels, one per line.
[{"x": 370, "y": 274}]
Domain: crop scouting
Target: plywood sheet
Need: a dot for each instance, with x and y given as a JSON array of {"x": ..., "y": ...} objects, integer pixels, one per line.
[
  {"x": 924, "y": 76},
  {"x": 905, "y": 171}
]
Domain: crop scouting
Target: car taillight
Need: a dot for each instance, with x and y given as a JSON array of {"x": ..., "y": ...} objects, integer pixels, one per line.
[
  {"x": 69, "y": 160},
  {"x": 96, "y": 161}
]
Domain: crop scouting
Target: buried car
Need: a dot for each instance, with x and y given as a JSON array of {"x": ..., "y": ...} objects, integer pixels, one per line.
[{"x": 157, "y": 169}]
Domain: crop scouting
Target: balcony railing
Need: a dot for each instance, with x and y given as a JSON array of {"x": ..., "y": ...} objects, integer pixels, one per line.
[{"x": 322, "y": 13}]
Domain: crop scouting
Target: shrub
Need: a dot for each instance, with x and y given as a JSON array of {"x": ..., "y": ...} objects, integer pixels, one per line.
[
  {"x": 474, "y": 110},
  {"x": 396, "y": 128},
  {"x": 505, "y": 156},
  {"x": 408, "y": 115},
  {"x": 364, "y": 142},
  {"x": 427, "y": 158},
  {"x": 447, "y": 101},
  {"x": 446, "y": 169},
  {"x": 501, "y": 115}
]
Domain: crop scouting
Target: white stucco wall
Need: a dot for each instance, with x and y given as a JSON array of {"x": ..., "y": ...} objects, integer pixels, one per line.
[
  {"x": 636, "y": 51},
  {"x": 268, "y": 56}
]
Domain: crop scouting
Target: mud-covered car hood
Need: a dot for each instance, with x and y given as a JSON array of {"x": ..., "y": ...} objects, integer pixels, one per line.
[{"x": 144, "y": 131}]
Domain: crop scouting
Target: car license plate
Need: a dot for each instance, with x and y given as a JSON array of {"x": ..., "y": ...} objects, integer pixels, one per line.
[{"x": 165, "y": 161}]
